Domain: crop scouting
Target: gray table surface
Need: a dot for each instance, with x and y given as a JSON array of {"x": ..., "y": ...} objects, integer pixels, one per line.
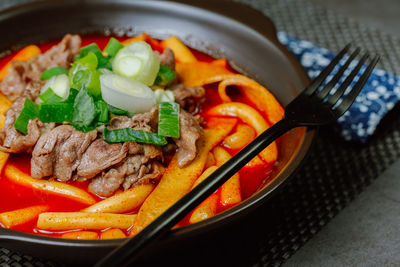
[{"x": 375, "y": 214}]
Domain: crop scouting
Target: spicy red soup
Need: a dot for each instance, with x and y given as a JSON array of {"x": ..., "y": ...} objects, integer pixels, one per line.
[{"x": 227, "y": 109}]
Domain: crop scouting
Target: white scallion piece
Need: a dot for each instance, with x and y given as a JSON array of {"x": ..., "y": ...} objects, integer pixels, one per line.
[
  {"x": 164, "y": 96},
  {"x": 126, "y": 94},
  {"x": 59, "y": 84},
  {"x": 137, "y": 61}
]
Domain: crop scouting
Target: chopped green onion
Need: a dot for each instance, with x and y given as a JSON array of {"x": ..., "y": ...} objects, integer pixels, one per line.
[
  {"x": 93, "y": 48},
  {"x": 164, "y": 96},
  {"x": 113, "y": 47},
  {"x": 90, "y": 61},
  {"x": 131, "y": 135},
  {"x": 105, "y": 71},
  {"x": 29, "y": 112},
  {"x": 56, "y": 112},
  {"x": 84, "y": 108},
  {"x": 117, "y": 111},
  {"x": 83, "y": 73},
  {"x": 137, "y": 61},
  {"x": 59, "y": 84},
  {"x": 83, "y": 128},
  {"x": 168, "y": 119},
  {"x": 72, "y": 95},
  {"x": 50, "y": 97},
  {"x": 102, "y": 111},
  {"x": 47, "y": 74},
  {"x": 164, "y": 76}
]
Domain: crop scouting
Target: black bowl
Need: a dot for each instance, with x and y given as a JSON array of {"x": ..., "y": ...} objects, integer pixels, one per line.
[{"x": 222, "y": 29}]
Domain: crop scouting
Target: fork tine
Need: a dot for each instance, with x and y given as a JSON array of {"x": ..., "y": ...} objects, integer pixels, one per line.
[
  {"x": 349, "y": 99},
  {"x": 342, "y": 88},
  {"x": 322, "y": 76},
  {"x": 327, "y": 88}
]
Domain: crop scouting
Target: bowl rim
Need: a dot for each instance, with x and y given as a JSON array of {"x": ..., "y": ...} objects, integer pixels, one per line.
[{"x": 262, "y": 25}]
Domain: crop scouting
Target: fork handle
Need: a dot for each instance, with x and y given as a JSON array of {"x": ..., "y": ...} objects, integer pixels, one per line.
[{"x": 134, "y": 247}]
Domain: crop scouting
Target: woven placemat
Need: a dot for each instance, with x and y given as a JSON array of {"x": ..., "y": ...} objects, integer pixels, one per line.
[
  {"x": 336, "y": 171},
  {"x": 333, "y": 175}
]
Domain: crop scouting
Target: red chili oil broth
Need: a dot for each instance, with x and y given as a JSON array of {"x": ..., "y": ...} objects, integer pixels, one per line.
[{"x": 14, "y": 196}]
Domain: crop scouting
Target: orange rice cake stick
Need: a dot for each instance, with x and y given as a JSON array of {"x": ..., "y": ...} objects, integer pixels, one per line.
[
  {"x": 230, "y": 193},
  {"x": 251, "y": 117},
  {"x": 5, "y": 104},
  {"x": 2, "y": 120},
  {"x": 176, "y": 181},
  {"x": 210, "y": 160},
  {"x": 84, "y": 235},
  {"x": 255, "y": 162},
  {"x": 25, "y": 53},
  {"x": 112, "y": 234},
  {"x": 123, "y": 202},
  {"x": 20, "y": 216},
  {"x": 181, "y": 51},
  {"x": 3, "y": 160},
  {"x": 83, "y": 220},
  {"x": 62, "y": 189},
  {"x": 208, "y": 207},
  {"x": 137, "y": 38}
]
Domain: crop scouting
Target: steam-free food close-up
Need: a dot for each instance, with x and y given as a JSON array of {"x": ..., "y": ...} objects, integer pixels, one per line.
[{"x": 100, "y": 135}]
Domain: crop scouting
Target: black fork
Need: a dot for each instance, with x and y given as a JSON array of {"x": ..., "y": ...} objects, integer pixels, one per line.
[{"x": 312, "y": 107}]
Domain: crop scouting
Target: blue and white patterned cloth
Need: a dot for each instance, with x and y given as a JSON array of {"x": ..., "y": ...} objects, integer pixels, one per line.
[{"x": 379, "y": 95}]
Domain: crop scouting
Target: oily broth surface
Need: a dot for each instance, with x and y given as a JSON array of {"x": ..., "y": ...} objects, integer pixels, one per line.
[{"x": 14, "y": 196}]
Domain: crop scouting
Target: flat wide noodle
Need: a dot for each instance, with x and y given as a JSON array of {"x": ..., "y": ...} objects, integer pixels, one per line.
[
  {"x": 201, "y": 73},
  {"x": 257, "y": 94},
  {"x": 253, "y": 118},
  {"x": 176, "y": 181}
]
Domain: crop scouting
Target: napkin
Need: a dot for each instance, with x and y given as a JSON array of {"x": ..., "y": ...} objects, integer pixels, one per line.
[{"x": 379, "y": 95}]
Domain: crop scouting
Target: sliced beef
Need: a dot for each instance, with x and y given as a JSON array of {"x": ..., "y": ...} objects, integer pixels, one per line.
[
  {"x": 137, "y": 164},
  {"x": 13, "y": 140},
  {"x": 167, "y": 58},
  {"x": 148, "y": 150},
  {"x": 189, "y": 98},
  {"x": 190, "y": 132},
  {"x": 145, "y": 174},
  {"x": 99, "y": 156},
  {"x": 106, "y": 184},
  {"x": 119, "y": 122},
  {"x": 146, "y": 121},
  {"x": 62, "y": 54},
  {"x": 23, "y": 78},
  {"x": 142, "y": 167},
  {"x": 59, "y": 151},
  {"x": 32, "y": 89}
]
